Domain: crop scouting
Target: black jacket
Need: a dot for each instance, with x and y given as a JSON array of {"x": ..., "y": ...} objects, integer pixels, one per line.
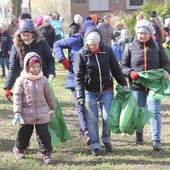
[
  {"x": 49, "y": 34},
  {"x": 133, "y": 59},
  {"x": 39, "y": 46},
  {"x": 74, "y": 28},
  {"x": 94, "y": 72}
]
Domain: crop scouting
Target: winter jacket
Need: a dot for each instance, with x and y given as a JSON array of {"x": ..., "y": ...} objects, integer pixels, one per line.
[
  {"x": 57, "y": 25},
  {"x": 73, "y": 44},
  {"x": 31, "y": 96},
  {"x": 12, "y": 28},
  {"x": 74, "y": 28},
  {"x": 107, "y": 33},
  {"x": 49, "y": 34},
  {"x": 118, "y": 51},
  {"x": 5, "y": 44},
  {"x": 94, "y": 72},
  {"x": 134, "y": 59},
  {"x": 39, "y": 46}
]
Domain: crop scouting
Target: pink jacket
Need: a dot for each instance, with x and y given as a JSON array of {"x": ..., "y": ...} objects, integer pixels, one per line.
[{"x": 32, "y": 94}]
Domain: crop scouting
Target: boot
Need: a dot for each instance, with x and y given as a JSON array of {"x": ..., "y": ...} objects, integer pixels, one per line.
[
  {"x": 156, "y": 146},
  {"x": 139, "y": 138}
]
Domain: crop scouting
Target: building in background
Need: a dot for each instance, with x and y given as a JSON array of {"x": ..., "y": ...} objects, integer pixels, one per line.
[{"x": 88, "y": 7}]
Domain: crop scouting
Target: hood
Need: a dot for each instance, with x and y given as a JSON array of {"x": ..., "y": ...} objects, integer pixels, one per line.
[
  {"x": 24, "y": 72},
  {"x": 28, "y": 56},
  {"x": 92, "y": 29}
]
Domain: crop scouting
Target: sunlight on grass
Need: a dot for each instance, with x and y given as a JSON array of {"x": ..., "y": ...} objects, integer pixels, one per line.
[{"x": 73, "y": 154}]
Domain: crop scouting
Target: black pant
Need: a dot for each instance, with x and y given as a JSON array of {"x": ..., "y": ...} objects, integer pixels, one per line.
[{"x": 42, "y": 134}]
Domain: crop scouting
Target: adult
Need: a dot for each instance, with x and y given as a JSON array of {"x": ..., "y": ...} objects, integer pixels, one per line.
[
  {"x": 13, "y": 26},
  {"x": 159, "y": 35},
  {"x": 144, "y": 54},
  {"x": 75, "y": 26},
  {"x": 73, "y": 44},
  {"x": 94, "y": 66},
  {"x": 57, "y": 24},
  {"x": 28, "y": 39},
  {"x": 106, "y": 30},
  {"x": 5, "y": 48},
  {"x": 48, "y": 31}
]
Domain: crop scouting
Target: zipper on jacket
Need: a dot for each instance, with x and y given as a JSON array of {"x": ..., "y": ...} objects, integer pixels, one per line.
[
  {"x": 145, "y": 61},
  {"x": 100, "y": 76}
]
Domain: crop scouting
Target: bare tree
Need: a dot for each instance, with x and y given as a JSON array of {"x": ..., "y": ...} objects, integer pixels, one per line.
[{"x": 14, "y": 7}]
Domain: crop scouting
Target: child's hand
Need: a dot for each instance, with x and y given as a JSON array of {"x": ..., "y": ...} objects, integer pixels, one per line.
[
  {"x": 51, "y": 113},
  {"x": 16, "y": 119}
]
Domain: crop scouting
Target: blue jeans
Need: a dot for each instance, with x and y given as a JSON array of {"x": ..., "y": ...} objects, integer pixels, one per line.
[
  {"x": 154, "y": 106},
  {"x": 4, "y": 61},
  {"x": 104, "y": 100},
  {"x": 80, "y": 112}
]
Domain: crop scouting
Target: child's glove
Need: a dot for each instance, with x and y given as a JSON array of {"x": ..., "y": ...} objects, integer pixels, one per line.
[
  {"x": 16, "y": 119},
  {"x": 51, "y": 113}
]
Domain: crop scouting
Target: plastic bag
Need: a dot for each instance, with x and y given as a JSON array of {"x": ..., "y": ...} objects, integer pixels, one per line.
[
  {"x": 125, "y": 115},
  {"x": 57, "y": 126}
]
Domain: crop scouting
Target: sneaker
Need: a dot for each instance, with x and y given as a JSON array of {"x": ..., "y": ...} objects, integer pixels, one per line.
[
  {"x": 156, "y": 146},
  {"x": 87, "y": 138},
  {"x": 18, "y": 153},
  {"x": 139, "y": 138},
  {"x": 95, "y": 152},
  {"x": 47, "y": 158},
  {"x": 108, "y": 147}
]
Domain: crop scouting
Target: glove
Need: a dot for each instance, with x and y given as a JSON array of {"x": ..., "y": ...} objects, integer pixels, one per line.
[
  {"x": 51, "y": 113},
  {"x": 65, "y": 63},
  {"x": 16, "y": 119},
  {"x": 134, "y": 75},
  {"x": 8, "y": 94},
  {"x": 51, "y": 76}
]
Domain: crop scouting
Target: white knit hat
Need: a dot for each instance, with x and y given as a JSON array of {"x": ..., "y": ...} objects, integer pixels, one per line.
[
  {"x": 93, "y": 38},
  {"x": 144, "y": 26},
  {"x": 167, "y": 22},
  {"x": 78, "y": 19}
]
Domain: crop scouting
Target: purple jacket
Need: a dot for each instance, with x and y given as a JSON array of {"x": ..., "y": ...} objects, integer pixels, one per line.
[{"x": 73, "y": 44}]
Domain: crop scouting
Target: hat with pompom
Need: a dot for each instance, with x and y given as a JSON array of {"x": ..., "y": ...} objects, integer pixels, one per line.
[
  {"x": 78, "y": 19},
  {"x": 86, "y": 24},
  {"x": 26, "y": 25}
]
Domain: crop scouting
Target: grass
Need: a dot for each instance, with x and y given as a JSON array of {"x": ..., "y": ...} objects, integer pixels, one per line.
[{"x": 73, "y": 154}]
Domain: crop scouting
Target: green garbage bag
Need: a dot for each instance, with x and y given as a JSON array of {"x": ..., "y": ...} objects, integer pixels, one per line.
[
  {"x": 152, "y": 79},
  {"x": 57, "y": 126},
  {"x": 125, "y": 116}
]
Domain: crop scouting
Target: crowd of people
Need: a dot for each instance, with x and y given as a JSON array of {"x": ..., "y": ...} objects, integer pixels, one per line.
[{"x": 98, "y": 52}]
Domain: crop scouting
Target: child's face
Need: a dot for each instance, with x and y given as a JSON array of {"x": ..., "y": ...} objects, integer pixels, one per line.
[{"x": 34, "y": 69}]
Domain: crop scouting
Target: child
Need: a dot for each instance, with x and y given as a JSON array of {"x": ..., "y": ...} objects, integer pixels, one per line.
[
  {"x": 117, "y": 50},
  {"x": 31, "y": 93}
]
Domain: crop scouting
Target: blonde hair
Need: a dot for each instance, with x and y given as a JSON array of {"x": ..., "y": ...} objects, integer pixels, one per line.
[{"x": 140, "y": 16}]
